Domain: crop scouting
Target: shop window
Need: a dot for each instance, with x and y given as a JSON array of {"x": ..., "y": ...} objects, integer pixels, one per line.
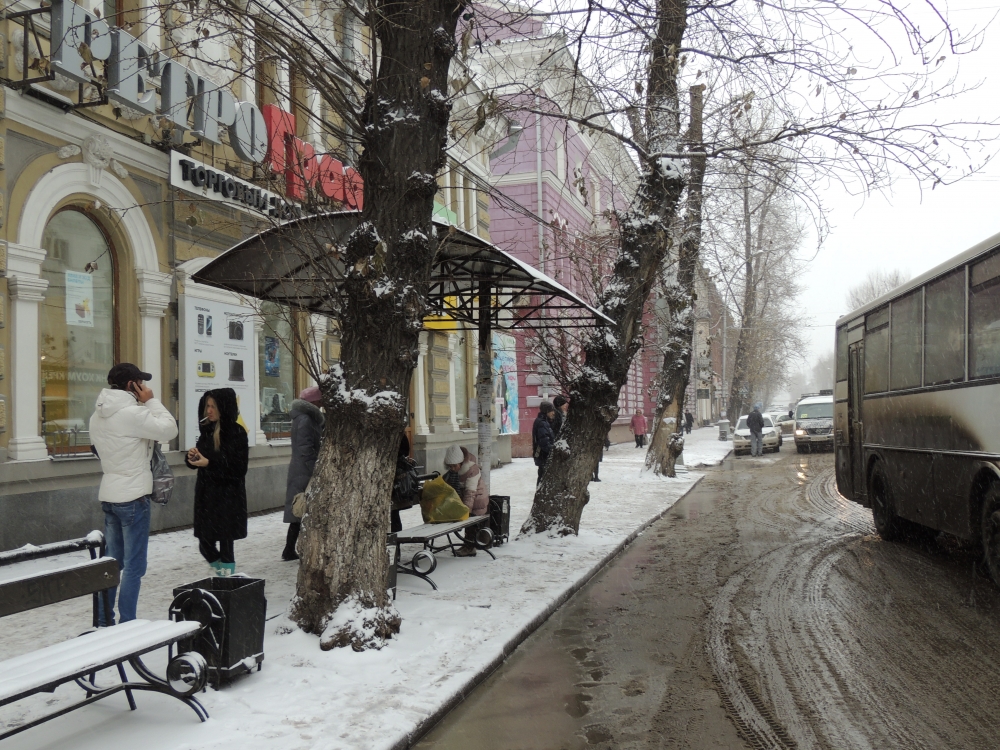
[
  {"x": 77, "y": 327},
  {"x": 877, "y": 351},
  {"x": 275, "y": 345},
  {"x": 984, "y": 318},
  {"x": 944, "y": 329},
  {"x": 907, "y": 328}
]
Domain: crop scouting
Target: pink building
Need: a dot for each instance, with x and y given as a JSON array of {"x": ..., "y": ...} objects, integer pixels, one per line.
[{"x": 574, "y": 181}]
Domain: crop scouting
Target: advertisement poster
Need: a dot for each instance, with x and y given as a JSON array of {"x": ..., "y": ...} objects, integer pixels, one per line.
[
  {"x": 505, "y": 382},
  {"x": 79, "y": 299},
  {"x": 272, "y": 357},
  {"x": 217, "y": 350}
]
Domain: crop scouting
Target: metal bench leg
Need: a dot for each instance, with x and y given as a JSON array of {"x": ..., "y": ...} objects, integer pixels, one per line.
[{"x": 128, "y": 691}]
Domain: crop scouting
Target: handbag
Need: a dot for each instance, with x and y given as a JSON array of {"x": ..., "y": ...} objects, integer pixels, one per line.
[
  {"x": 163, "y": 477},
  {"x": 299, "y": 505}
]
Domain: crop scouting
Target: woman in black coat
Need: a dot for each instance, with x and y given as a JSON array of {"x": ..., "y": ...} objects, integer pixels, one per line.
[{"x": 220, "y": 495}]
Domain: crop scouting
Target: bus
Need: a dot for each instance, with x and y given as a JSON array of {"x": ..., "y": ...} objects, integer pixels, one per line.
[{"x": 917, "y": 403}]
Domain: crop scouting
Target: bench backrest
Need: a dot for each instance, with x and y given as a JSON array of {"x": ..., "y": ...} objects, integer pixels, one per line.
[{"x": 35, "y": 590}]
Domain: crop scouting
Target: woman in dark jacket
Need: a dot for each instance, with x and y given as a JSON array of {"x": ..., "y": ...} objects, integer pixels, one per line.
[
  {"x": 220, "y": 495},
  {"x": 307, "y": 434}
]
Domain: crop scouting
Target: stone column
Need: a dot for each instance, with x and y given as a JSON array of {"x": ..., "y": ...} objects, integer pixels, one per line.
[
  {"x": 452, "y": 345},
  {"x": 154, "y": 296},
  {"x": 26, "y": 289},
  {"x": 420, "y": 392}
]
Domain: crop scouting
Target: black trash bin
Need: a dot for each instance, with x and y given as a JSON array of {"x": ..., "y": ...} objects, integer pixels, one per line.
[{"x": 232, "y": 644}]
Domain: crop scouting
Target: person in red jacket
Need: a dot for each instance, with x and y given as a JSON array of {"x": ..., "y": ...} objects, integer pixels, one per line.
[{"x": 638, "y": 427}]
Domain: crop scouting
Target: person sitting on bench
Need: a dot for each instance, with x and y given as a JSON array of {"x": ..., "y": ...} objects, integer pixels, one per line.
[{"x": 465, "y": 477}]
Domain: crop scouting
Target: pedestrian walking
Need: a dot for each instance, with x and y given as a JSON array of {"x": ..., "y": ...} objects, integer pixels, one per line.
[
  {"x": 600, "y": 459},
  {"x": 638, "y": 428},
  {"x": 220, "y": 495},
  {"x": 307, "y": 434},
  {"x": 542, "y": 436},
  {"x": 127, "y": 423},
  {"x": 561, "y": 404},
  {"x": 464, "y": 475},
  {"x": 688, "y": 422},
  {"x": 755, "y": 423}
]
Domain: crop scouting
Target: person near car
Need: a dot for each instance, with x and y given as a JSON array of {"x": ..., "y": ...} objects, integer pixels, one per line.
[
  {"x": 127, "y": 422},
  {"x": 307, "y": 434},
  {"x": 543, "y": 437},
  {"x": 688, "y": 421},
  {"x": 221, "y": 456},
  {"x": 561, "y": 404},
  {"x": 755, "y": 423},
  {"x": 638, "y": 428},
  {"x": 465, "y": 476}
]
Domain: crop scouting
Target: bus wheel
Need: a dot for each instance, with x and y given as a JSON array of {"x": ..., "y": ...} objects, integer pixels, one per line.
[
  {"x": 887, "y": 523},
  {"x": 991, "y": 531}
]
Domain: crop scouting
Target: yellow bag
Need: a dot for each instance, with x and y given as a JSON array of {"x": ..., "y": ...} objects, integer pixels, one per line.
[{"x": 439, "y": 503}]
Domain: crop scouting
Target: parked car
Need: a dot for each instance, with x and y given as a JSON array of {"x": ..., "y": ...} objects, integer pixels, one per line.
[
  {"x": 741, "y": 436},
  {"x": 779, "y": 418}
]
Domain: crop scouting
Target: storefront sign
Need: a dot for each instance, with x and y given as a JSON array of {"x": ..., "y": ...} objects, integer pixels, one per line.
[
  {"x": 504, "y": 383},
  {"x": 218, "y": 349},
  {"x": 303, "y": 167},
  {"x": 79, "y": 299},
  {"x": 193, "y": 104},
  {"x": 202, "y": 180}
]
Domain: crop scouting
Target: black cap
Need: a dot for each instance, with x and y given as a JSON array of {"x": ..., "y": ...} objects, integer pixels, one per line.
[
  {"x": 560, "y": 401},
  {"x": 122, "y": 374},
  {"x": 545, "y": 407}
]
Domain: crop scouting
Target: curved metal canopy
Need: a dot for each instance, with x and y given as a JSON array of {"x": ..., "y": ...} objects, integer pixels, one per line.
[{"x": 293, "y": 264}]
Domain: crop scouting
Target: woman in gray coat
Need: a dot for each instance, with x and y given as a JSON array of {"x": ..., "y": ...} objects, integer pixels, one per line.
[{"x": 307, "y": 434}]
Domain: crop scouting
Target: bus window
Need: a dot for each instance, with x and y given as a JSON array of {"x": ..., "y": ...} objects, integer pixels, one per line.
[
  {"x": 984, "y": 318},
  {"x": 877, "y": 351},
  {"x": 944, "y": 329},
  {"x": 842, "y": 353},
  {"x": 905, "y": 345}
]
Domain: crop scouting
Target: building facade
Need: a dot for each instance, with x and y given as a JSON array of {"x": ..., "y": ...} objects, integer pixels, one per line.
[
  {"x": 110, "y": 204},
  {"x": 561, "y": 187}
]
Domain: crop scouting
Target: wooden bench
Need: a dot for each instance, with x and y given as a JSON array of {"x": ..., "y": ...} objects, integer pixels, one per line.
[
  {"x": 79, "y": 659},
  {"x": 423, "y": 563}
]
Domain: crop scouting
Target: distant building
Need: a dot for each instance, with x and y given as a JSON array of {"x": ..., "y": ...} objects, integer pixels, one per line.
[
  {"x": 550, "y": 169},
  {"x": 711, "y": 370}
]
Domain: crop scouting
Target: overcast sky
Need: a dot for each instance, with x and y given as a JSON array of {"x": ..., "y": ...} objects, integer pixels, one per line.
[{"x": 907, "y": 229}]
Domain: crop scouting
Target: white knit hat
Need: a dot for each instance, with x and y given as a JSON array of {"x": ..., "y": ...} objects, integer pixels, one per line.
[{"x": 454, "y": 455}]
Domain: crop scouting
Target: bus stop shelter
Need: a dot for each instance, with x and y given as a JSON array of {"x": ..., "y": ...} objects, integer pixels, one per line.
[{"x": 472, "y": 281}]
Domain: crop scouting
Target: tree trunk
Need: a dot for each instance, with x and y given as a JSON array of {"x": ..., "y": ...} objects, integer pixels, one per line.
[
  {"x": 644, "y": 242},
  {"x": 667, "y": 441},
  {"x": 341, "y": 593},
  {"x": 739, "y": 395}
]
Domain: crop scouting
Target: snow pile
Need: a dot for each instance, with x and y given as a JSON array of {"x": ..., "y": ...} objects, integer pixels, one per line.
[{"x": 305, "y": 697}]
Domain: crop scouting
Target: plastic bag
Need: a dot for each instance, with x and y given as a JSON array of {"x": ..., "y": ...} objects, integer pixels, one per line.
[
  {"x": 163, "y": 477},
  {"x": 439, "y": 503}
]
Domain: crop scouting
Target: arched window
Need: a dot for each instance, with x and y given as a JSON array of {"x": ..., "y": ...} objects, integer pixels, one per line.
[{"x": 77, "y": 327}]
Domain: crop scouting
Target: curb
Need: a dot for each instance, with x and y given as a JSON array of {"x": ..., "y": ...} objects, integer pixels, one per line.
[{"x": 425, "y": 726}]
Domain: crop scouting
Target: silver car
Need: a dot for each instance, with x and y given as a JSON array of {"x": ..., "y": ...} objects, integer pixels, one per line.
[{"x": 741, "y": 437}]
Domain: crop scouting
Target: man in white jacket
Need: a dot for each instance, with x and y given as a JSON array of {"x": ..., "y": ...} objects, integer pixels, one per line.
[{"x": 126, "y": 424}]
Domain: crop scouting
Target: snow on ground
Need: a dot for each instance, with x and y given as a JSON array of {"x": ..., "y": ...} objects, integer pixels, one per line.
[{"x": 307, "y": 698}]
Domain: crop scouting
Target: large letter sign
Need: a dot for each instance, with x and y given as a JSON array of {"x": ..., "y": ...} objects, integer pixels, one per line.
[
  {"x": 71, "y": 27},
  {"x": 130, "y": 64}
]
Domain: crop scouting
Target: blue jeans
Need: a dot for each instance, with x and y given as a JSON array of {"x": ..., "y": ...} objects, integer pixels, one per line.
[
  {"x": 126, "y": 532},
  {"x": 756, "y": 444}
]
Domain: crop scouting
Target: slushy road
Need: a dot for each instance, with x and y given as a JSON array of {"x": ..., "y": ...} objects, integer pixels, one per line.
[{"x": 763, "y": 611}]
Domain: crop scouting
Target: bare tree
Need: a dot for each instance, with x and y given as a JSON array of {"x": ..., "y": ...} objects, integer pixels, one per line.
[
  {"x": 834, "y": 111},
  {"x": 875, "y": 284}
]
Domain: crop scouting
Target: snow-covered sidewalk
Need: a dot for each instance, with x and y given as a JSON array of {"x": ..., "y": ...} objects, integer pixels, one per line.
[{"x": 307, "y": 698}]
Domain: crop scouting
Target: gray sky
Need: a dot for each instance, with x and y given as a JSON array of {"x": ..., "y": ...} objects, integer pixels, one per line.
[{"x": 907, "y": 229}]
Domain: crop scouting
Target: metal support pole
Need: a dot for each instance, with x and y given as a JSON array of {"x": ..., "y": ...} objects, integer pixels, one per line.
[{"x": 484, "y": 385}]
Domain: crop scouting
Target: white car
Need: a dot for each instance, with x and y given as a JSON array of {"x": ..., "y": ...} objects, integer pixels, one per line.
[{"x": 741, "y": 436}]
